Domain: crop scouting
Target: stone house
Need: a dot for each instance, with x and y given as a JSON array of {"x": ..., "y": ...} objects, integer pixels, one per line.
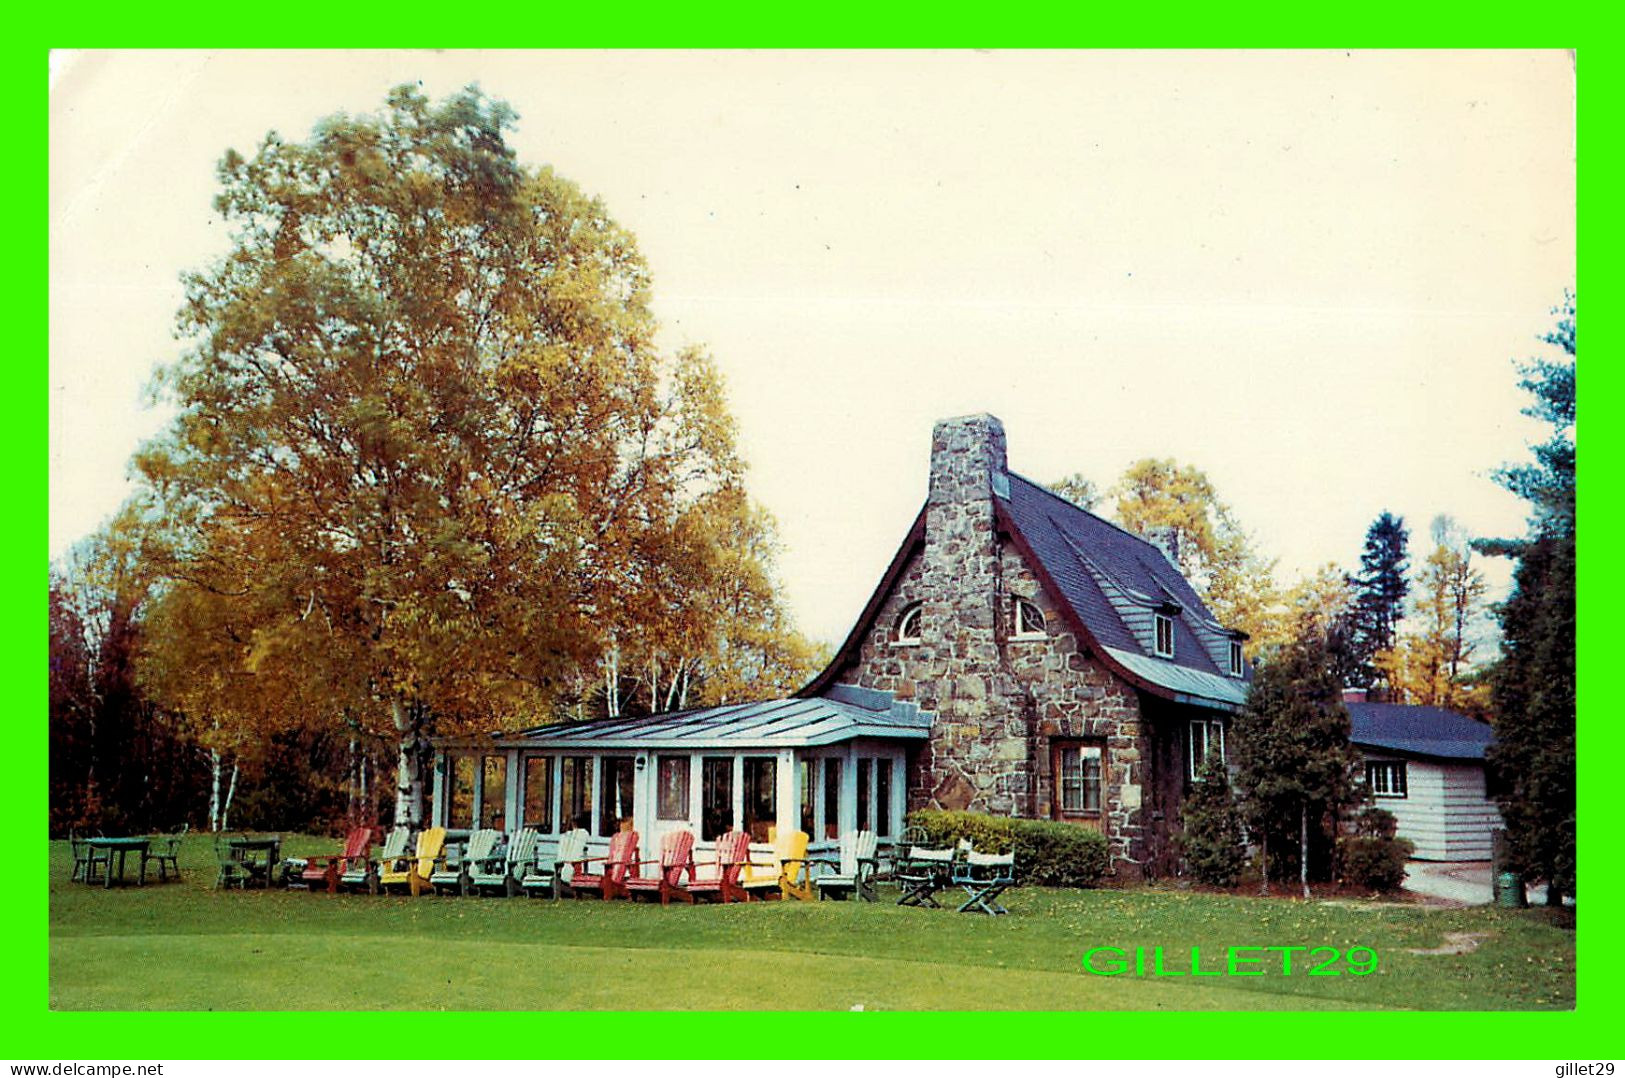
[{"x": 1020, "y": 656}]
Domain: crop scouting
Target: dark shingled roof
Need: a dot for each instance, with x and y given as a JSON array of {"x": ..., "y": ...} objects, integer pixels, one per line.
[
  {"x": 1112, "y": 583},
  {"x": 1419, "y": 731}
]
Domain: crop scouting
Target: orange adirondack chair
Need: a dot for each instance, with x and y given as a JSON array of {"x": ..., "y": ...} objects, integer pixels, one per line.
[
  {"x": 676, "y": 858},
  {"x": 323, "y": 870},
  {"x": 733, "y": 853},
  {"x": 611, "y": 882}
]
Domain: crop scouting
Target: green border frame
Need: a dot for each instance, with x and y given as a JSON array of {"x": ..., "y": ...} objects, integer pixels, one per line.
[{"x": 1588, "y": 1032}]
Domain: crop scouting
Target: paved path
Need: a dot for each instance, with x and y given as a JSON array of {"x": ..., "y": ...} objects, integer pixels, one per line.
[{"x": 1464, "y": 882}]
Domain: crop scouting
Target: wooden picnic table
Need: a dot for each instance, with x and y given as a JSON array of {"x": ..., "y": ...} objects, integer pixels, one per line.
[{"x": 122, "y": 847}]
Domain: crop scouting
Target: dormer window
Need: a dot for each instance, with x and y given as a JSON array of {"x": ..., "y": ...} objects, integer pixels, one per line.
[
  {"x": 1165, "y": 635},
  {"x": 1029, "y": 620},
  {"x": 908, "y": 626},
  {"x": 1236, "y": 665}
]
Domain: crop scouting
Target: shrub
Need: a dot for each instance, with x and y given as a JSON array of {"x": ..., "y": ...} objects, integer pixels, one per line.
[
  {"x": 1374, "y": 862},
  {"x": 1210, "y": 836},
  {"x": 1047, "y": 853}
]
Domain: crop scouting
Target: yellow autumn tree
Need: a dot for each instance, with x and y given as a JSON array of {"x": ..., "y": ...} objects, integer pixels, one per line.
[
  {"x": 1431, "y": 663},
  {"x": 428, "y": 461},
  {"x": 1216, "y": 553}
]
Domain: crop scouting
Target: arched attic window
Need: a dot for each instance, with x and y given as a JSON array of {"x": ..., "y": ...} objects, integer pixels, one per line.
[
  {"x": 907, "y": 630},
  {"x": 1029, "y": 620}
]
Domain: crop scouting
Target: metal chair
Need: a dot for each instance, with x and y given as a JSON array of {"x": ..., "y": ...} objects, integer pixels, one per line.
[
  {"x": 983, "y": 877},
  {"x": 86, "y": 858},
  {"x": 922, "y": 873},
  {"x": 166, "y": 850}
]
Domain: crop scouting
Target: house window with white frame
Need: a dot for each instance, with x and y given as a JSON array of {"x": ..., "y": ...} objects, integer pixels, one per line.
[
  {"x": 1206, "y": 739},
  {"x": 908, "y": 626},
  {"x": 1165, "y": 635},
  {"x": 1029, "y": 621},
  {"x": 1237, "y": 664},
  {"x": 1386, "y": 778}
]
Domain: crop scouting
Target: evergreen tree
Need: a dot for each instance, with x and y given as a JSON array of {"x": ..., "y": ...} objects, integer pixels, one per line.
[
  {"x": 1210, "y": 835},
  {"x": 1380, "y": 590},
  {"x": 1294, "y": 763},
  {"x": 1532, "y": 688}
]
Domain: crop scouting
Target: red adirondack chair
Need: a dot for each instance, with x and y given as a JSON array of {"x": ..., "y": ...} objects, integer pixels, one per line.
[
  {"x": 323, "y": 870},
  {"x": 676, "y": 858},
  {"x": 733, "y": 853},
  {"x": 611, "y": 882}
]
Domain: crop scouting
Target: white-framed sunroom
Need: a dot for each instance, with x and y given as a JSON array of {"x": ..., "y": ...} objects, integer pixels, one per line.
[{"x": 824, "y": 765}]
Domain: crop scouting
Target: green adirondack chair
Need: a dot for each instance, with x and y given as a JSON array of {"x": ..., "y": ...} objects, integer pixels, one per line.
[
  {"x": 358, "y": 873},
  {"x": 504, "y": 869},
  {"x": 551, "y": 875},
  {"x": 452, "y": 869},
  {"x": 853, "y": 873}
]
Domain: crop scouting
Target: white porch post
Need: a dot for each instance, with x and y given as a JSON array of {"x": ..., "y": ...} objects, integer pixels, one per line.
[
  {"x": 849, "y": 789},
  {"x": 516, "y": 791},
  {"x": 787, "y": 780},
  {"x": 442, "y": 764},
  {"x": 643, "y": 794},
  {"x": 696, "y": 795}
]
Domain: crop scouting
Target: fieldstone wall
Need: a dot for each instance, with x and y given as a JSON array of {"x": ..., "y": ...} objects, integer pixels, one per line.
[{"x": 998, "y": 699}]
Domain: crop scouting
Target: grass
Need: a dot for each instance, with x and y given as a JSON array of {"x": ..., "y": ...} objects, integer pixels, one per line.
[{"x": 185, "y": 946}]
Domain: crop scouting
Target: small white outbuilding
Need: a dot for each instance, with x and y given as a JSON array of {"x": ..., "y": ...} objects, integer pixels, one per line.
[{"x": 1426, "y": 766}]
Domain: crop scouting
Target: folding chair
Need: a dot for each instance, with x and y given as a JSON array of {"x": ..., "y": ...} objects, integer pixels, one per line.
[
  {"x": 983, "y": 877},
  {"x": 921, "y": 873}
]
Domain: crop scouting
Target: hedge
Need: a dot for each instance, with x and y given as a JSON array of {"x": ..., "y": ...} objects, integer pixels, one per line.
[{"x": 1047, "y": 853}]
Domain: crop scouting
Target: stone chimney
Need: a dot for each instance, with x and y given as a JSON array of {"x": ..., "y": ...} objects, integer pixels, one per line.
[
  {"x": 968, "y": 461},
  {"x": 1166, "y": 539},
  {"x": 970, "y": 762}
]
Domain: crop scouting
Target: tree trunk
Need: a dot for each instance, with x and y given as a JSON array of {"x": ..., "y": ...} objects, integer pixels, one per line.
[
  {"x": 231, "y": 790},
  {"x": 1264, "y": 855},
  {"x": 214, "y": 789},
  {"x": 1303, "y": 848},
  {"x": 409, "y": 769}
]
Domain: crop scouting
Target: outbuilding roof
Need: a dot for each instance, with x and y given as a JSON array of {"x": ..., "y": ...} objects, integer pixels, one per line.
[
  {"x": 1418, "y": 731},
  {"x": 844, "y": 713}
]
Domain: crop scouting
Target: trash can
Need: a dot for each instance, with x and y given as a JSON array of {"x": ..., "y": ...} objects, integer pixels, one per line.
[{"x": 1509, "y": 893}]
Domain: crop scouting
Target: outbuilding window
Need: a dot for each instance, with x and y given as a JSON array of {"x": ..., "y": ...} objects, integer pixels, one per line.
[
  {"x": 1165, "y": 635},
  {"x": 1386, "y": 778}
]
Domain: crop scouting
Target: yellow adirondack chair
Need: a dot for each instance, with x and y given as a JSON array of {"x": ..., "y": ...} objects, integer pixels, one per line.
[
  {"x": 413, "y": 872},
  {"x": 786, "y": 873}
]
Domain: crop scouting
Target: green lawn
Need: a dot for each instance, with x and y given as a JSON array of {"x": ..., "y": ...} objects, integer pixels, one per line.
[{"x": 185, "y": 946}]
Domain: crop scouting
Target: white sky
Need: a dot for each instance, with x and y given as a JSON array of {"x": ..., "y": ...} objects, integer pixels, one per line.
[{"x": 1306, "y": 273}]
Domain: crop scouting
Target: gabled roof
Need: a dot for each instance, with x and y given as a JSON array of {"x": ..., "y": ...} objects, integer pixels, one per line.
[
  {"x": 842, "y": 714},
  {"x": 1418, "y": 731},
  {"x": 1109, "y": 584}
]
